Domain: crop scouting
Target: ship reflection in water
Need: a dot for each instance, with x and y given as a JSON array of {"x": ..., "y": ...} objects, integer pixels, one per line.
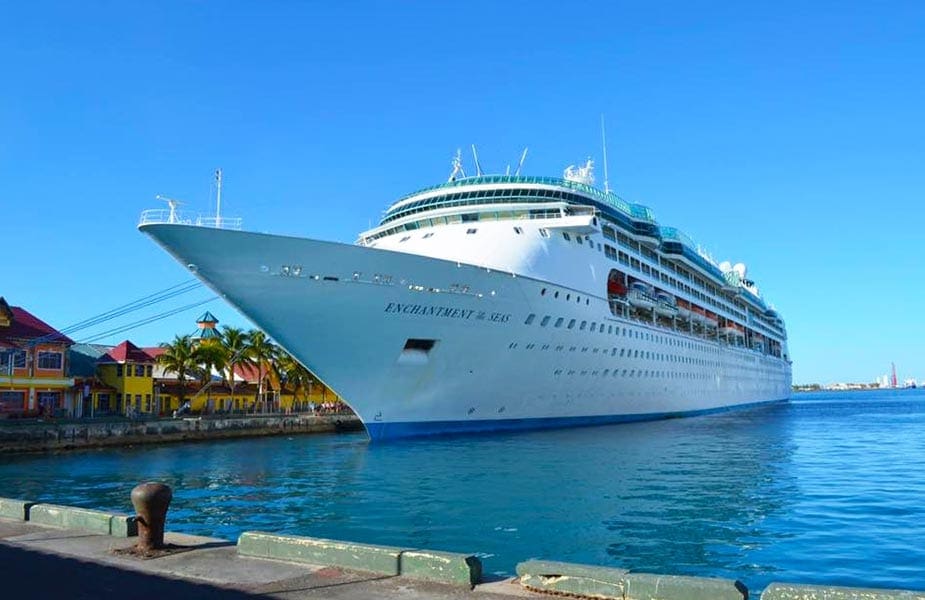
[{"x": 826, "y": 489}]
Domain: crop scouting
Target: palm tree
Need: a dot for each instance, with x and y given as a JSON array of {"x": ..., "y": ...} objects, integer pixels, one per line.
[
  {"x": 297, "y": 377},
  {"x": 262, "y": 353},
  {"x": 210, "y": 355},
  {"x": 234, "y": 340},
  {"x": 179, "y": 358}
]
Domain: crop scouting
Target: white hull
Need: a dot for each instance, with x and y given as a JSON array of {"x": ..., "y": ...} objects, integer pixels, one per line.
[{"x": 349, "y": 311}]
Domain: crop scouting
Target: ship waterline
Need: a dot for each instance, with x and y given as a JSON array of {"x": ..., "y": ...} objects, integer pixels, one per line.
[{"x": 421, "y": 344}]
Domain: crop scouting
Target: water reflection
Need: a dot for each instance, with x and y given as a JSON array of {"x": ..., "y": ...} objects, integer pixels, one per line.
[{"x": 808, "y": 491}]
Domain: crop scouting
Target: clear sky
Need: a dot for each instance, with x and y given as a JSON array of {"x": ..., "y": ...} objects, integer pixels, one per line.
[{"x": 786, "y": 135}]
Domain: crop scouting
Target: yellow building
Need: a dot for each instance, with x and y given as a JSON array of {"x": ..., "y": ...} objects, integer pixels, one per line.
[{"x": 129, "y": 372}]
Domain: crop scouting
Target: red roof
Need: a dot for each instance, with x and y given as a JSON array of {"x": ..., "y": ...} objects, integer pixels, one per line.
[
  {"x": 26, "y": 327},
  {"x": 154, "y": 351},
  {"x": 126, "y": 351}
]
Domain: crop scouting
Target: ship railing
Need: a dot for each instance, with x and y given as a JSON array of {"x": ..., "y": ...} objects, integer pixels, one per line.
[{"x": 159, "y": 216}]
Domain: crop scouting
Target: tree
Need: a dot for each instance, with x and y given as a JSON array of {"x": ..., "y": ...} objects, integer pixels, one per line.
[
  {"x": 262, "y": 354},
  {"x": 210, "y": 355},
  {"x": 234, "y": 341},
  {"x": 179, "y": 358},
  {"x": 295, "y": 376}
]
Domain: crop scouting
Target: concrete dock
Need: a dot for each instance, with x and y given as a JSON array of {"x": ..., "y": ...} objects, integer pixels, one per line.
[
  {"x": 45, "y": 562},
  {"x": 51, "y": 551}
]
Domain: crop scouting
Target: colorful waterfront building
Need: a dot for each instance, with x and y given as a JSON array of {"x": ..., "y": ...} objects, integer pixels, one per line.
[
  {"x": 33, "y": 365},
  {"x": 207, "y": 331},
  {"x": 129, "y": 371}
]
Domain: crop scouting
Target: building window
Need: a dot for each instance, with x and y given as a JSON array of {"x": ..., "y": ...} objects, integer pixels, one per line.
[
  {"x": 139, "y": 370},
  {"x": 118, "y": 370},
  {"x": 49, "y": 360},
  {"x": 12, "y": 401},
  {"x": 148, "y": 370},
  {"x": 18, "y": 360},
  {"x": 102, "y": 402}
]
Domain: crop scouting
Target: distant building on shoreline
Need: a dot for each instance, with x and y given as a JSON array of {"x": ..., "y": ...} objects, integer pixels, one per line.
[{"x": 45, "y": 373}]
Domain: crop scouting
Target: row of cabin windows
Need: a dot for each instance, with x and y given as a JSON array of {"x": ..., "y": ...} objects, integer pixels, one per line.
[
  {"x": 628, "y": 332},
  {"x": 637, "y": 373},
  {"x": 483, "y": 197},
  {"x": 712, "y": 290},
  {"x": 140, "y": 370}
]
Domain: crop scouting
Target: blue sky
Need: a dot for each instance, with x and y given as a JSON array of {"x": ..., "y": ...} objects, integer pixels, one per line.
[{"x": 786, "y": 135}]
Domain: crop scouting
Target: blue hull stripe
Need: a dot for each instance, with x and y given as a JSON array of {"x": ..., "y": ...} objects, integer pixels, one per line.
[{"x": 406, "y": 429}]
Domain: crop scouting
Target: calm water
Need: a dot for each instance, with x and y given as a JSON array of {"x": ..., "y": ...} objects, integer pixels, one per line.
[{"x": 827, "y": 489}]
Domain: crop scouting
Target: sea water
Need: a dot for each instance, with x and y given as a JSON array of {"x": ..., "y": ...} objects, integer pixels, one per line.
[{"x": 829, "y": 488}]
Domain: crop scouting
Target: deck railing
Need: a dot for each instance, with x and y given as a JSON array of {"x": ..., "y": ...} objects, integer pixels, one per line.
[{"x": 178, "y": 217}]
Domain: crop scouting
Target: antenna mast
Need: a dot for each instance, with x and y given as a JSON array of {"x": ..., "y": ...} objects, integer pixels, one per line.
[
  {"x": 604, "y": 142},
  {"x": 478, "y": 167},
  {"x": 218, "y": 198},
  {"x": 520, "y": 165}
]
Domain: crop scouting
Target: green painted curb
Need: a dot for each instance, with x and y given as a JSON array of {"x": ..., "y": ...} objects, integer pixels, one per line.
[
  {"x": 10, "y": 508},
  {"x": 123, "y": 526},
  {"x": 443, "y": 567},
  {"x": 567, "y": 578},
  {"x": 792, "y": 591},
  {"x": 84, "y": 519},
  {"x": 649, "y": 586},
  {"x": 383, "y": 560}
]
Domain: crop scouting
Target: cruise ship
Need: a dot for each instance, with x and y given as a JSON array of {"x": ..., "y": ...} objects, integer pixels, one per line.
[{"x": 501, "y": 302}]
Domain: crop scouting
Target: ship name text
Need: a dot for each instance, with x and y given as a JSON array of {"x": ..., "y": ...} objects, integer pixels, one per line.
[{"x": 464, "y": 314}]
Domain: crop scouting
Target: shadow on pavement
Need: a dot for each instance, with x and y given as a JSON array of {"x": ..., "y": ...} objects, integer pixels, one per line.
[{"x": 27, "y": 574}]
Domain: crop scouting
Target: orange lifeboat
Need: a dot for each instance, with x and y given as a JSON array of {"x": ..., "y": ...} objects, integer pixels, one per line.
[{"x": 615, "y": 284}]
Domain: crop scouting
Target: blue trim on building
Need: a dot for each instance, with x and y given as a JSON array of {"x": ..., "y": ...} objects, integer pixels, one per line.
[{"x": 407, "y": 429}]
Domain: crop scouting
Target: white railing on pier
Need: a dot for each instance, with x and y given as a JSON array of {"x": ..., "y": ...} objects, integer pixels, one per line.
[{"x": 177, "y": 217}]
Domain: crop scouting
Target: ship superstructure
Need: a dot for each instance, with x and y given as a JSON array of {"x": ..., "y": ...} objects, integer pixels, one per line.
[{"x": 502, "y": 302}]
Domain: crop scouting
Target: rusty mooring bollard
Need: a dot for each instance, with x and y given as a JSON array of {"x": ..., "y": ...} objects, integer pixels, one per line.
[{"x": 151, "y": 501}]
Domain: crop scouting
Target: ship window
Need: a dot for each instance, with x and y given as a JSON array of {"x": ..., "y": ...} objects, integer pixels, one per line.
[
  {"x": 566, "y": 236},
  {"x": 568, "y": 296},
  {"x": 577, "y": 238},
  {"x": 543, "y": 292},
  {"x": 404, "y": 239},
  {"x": 543, "y": 232},
  {"x": 471, "y": 231},
  {"x": 594, "y": 327},
  {"x": 518, "y": 230},
  {"x": 530, "y": 318},
  {"x": 545, "y": 321},
  {"x": 427, "y": 235},
  {"x": 571, "y": 324},
  {"x": 584, "y": 325},
  {"x": 559, "y": 322}
]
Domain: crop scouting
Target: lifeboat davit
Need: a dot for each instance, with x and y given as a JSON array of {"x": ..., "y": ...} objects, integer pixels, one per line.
[
  {"x": 665, "y": 305},
  {"x": 684, "y": 309},
  {"x": 698, "y": 315},
  {"x": 640, "y": 296}
]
